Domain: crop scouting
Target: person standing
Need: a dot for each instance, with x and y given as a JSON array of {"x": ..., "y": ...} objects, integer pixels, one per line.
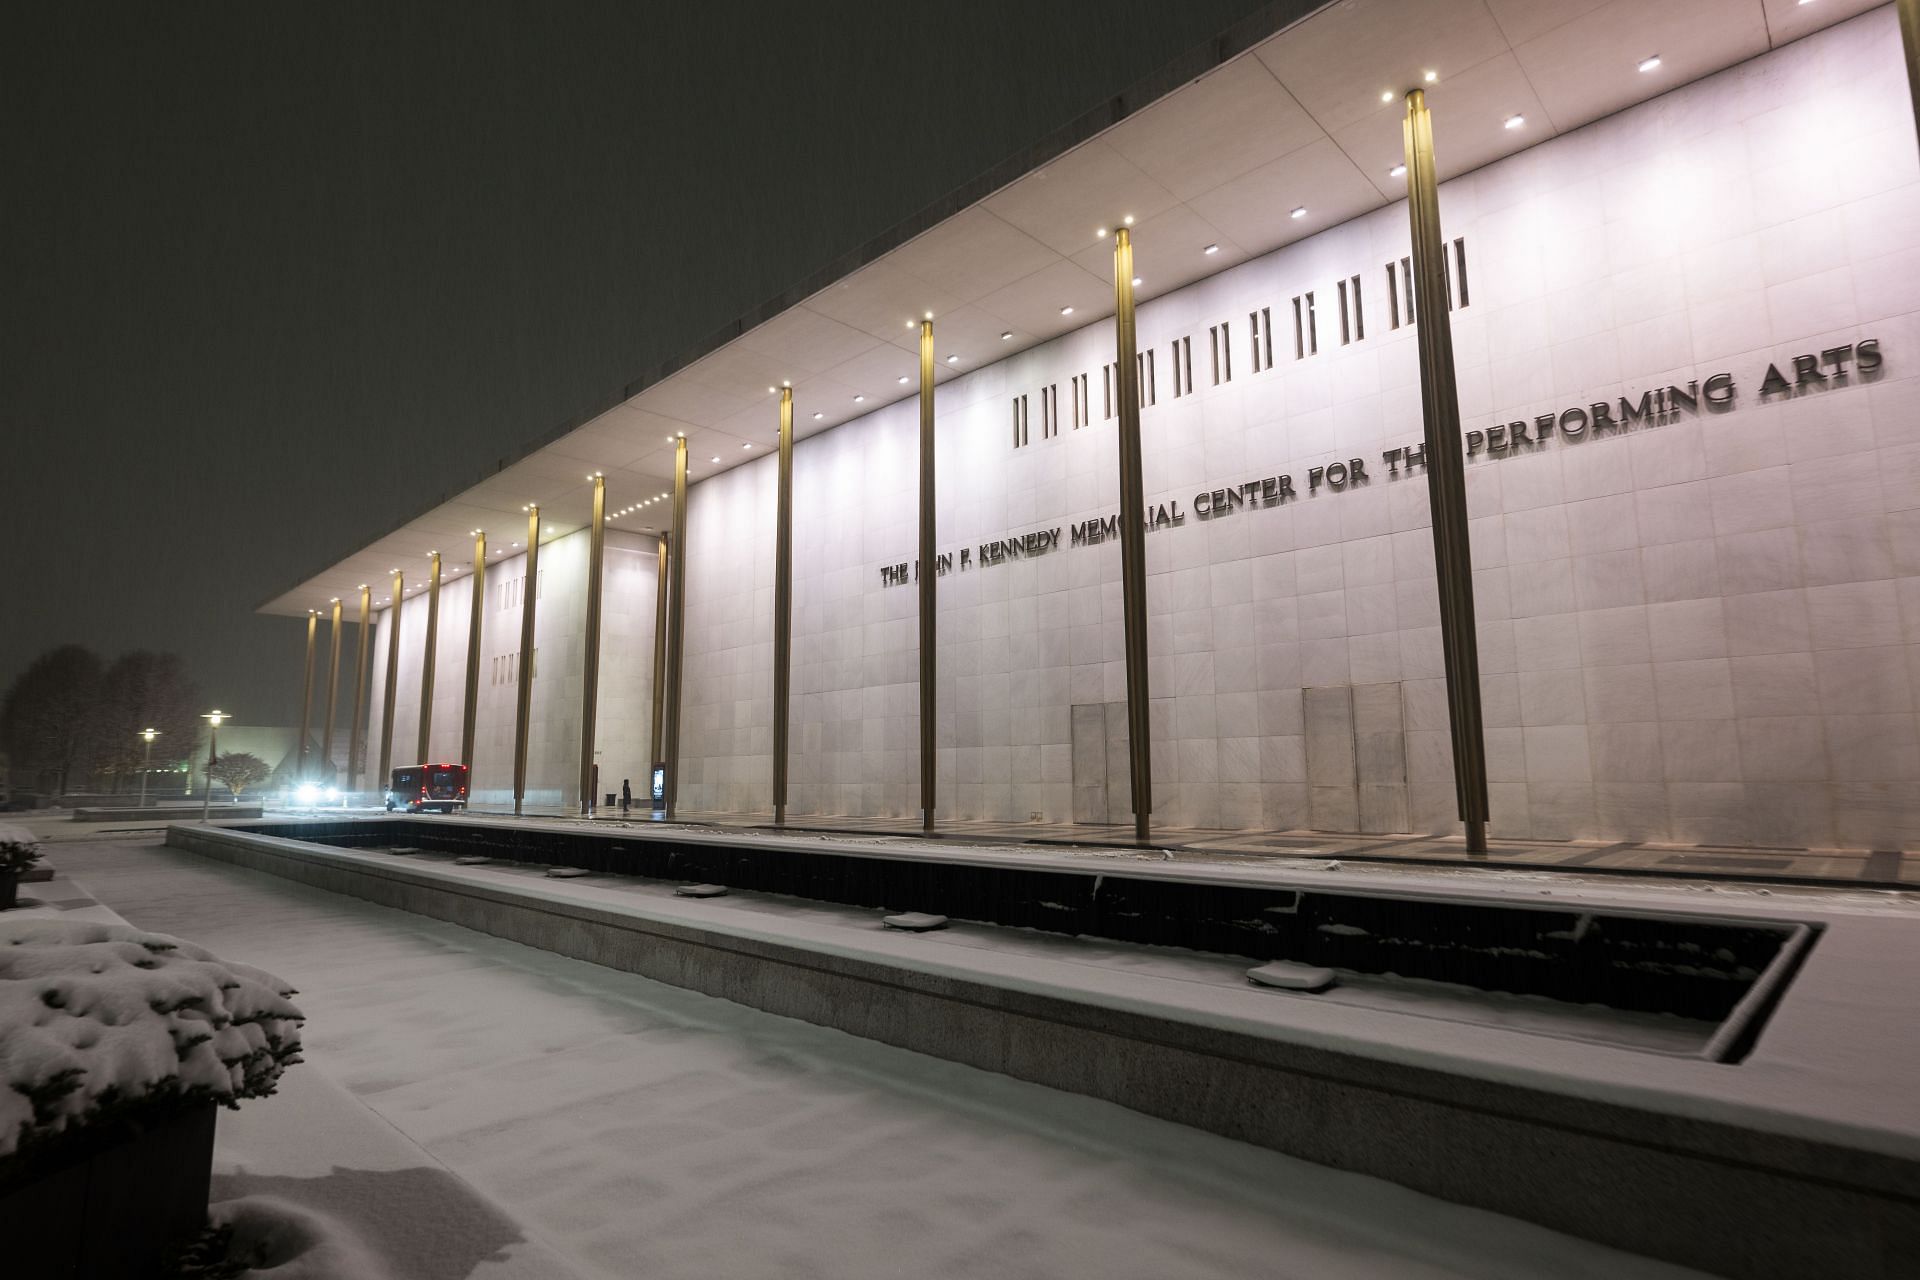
[{"x": 626, "y": 796}]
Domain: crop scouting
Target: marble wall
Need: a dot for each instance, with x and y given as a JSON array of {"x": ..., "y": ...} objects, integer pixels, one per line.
[
  {"x": 624, "y": 701},
  {"x": 1702, "y": 630}
]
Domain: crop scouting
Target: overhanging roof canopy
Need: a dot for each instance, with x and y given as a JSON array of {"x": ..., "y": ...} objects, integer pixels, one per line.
[{"x": 1306, "y": 118}]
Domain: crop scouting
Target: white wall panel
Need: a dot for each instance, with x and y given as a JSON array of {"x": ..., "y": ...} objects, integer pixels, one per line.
[{"x": 553, "y": 751}]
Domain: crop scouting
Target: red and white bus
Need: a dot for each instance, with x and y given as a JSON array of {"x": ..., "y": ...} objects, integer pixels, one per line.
[{"x": 420, "y": 787}]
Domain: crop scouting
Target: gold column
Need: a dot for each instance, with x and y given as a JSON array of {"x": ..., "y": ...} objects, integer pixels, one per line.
[
  {"x": 333, "y": 689},
  {"x": 470, "y": 716},
  {"x": 782, "y": 604},
  {"x": 655, "y": 742},
  {"x": 393, "y": 684},
  {"x": 426, "y": 662},
  {"x": 1910, "y": 41},
  {"x": 676, "y": 624},
  {"x": 357, "y": 727},
  {"x": 306, "y": 697},
  {"x": 1446, "y": 475},
  {"x": 928, "y": 575},
  {"x": 1133, "y": 536},
  {"x": 590, "y": 669},
  {"x": 523, "y": 705}
]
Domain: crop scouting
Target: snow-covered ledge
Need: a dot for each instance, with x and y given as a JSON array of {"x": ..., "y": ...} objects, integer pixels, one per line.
[{"x": 1750, "y": 1170}]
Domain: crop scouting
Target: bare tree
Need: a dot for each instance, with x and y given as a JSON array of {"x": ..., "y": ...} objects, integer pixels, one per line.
[
  {"x": 47, "y": 719},
  {"x": 238, "y": 770},
  {"x": 144, "y": 690}
]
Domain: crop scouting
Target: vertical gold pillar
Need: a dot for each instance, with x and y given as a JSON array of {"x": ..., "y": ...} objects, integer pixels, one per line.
[
  {"x": 928, "y": 575},
  {"x": 1910, "y": 41},
  {"x": 782, "y": 604},
  {"x": 333, "y": 690},
  {"x": 470, "y": 716},
  {"x": 655, "y": 742},
  {"x": 426, "y": 661},
  {"x": 357, "y": 726},
  {"x": 1133, "y": 536},
  {"x": 676, "y": 624},
  {"x": 306, "y": 698},
  {"x": 393, "y": 684},
  {"x": 590, "y": 668},
  {"x": 523, "y": 703},
  {"x": 1446, "y": 475}
]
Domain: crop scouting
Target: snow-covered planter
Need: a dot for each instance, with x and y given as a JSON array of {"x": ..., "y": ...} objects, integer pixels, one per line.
[
  {"x": 19, "y": 850},
  {"x": 115, "y": 1047}
]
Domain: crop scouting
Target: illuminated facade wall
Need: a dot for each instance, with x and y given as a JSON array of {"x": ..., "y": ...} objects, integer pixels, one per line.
[
  {"x": 1699, "y": 626},
  {"x": 626, "y": 671}
]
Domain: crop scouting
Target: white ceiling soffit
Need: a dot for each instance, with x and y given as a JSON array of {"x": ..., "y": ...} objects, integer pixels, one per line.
[{"x": 1306, "y": 118}]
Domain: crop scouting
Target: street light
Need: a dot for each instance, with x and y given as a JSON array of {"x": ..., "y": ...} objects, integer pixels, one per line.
[
  {"x": 146, "y": 766},
  {"x": 213, "y": 719}
]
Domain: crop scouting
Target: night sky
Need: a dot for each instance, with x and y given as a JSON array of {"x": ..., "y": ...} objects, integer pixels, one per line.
[{"x": 263, "y": 262}]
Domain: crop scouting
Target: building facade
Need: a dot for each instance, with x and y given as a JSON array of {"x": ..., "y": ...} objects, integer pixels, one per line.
[{"x": 1686, "y": 338}]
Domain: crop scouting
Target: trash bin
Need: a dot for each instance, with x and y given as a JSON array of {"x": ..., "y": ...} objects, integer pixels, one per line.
[{"x": 613, "y": 798}]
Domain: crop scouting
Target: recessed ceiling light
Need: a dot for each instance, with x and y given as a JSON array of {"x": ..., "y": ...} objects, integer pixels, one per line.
[
  {"x": 1398, "y": 171},
  {"x": 1431, "y": 76},
  {"x": 1005, "y": 336},
  {"x": 1128, "y": 219},
  {"x": 1648, "y": 64},
  {"x": 1136, "y": 282},
  {"x": 953, "y": 359},
  {"x": 1211, "y": 249},
  {"x": 902, "y": 379},
  {"x": 1514, "y": 122},
  {"x": 716, "y": 457},
  {"x": 1386, "y": 95},
  {"x": 818, "y": 416},
  {"x": 1066, "y": 311},
  {"x": 1299, "y": 211},
  {"x": 746, "y": 446},
  {"x": 859, "y": 399}
]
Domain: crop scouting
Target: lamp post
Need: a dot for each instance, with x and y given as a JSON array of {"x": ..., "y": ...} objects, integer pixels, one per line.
[
  {"x": 213, "y": 719},
  {"x": 146, "y": 765}
]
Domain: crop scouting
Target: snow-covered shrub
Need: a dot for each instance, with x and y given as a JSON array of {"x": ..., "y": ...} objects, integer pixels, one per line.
[
  {"x": 100, "y": 1022},
  {"x": 18, "y": 849}
]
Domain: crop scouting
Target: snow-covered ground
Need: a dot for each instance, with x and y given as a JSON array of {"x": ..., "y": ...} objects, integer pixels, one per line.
[
  {"x": 330, "y": 1191},
  {"x": 636, "y": 1129}
]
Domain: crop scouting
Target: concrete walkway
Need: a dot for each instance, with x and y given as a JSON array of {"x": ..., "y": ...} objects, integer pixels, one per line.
[
  {"x": 1856, "y": 868},
  {"x": 1841, "y": 868},
  {"x": 1846, "y": 868},
  {"x": 641, "y": 1130}
]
